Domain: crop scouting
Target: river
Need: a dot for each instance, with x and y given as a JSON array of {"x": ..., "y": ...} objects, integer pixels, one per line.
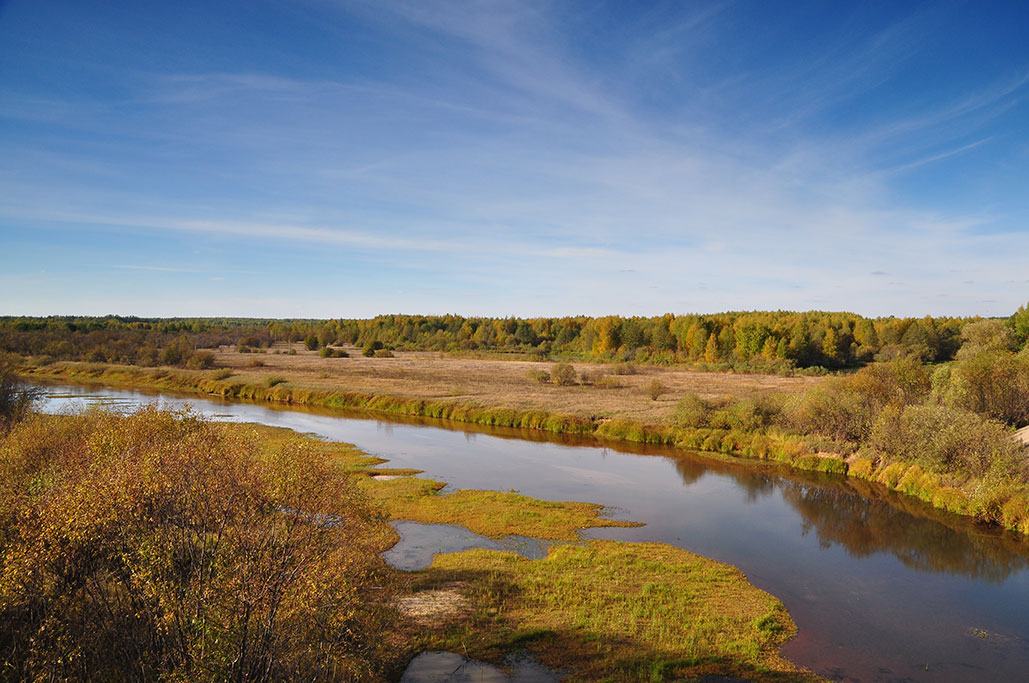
[{"x": 882, "y": 588}]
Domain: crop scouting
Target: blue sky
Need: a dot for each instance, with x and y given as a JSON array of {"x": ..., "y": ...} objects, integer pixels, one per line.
[{"x": 314, "y": 158}]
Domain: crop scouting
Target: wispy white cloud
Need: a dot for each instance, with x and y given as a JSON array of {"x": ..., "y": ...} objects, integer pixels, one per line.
[
  {"x": 496, "y": 159},
  {"x": 160, "y": 269}
]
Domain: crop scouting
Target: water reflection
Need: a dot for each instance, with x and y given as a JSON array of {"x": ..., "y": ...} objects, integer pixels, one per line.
[
  {"x": 867, "y": 519},
  {"x": 420, "y": 543},
  {"x": 865, "y": 527}
]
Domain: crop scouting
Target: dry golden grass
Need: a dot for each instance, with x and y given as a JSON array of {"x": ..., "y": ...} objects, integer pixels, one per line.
[{"x": 499, "y": 383}]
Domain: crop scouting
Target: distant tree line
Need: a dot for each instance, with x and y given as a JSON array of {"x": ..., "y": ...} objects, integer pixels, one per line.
[{"x": 773, "y": 340}]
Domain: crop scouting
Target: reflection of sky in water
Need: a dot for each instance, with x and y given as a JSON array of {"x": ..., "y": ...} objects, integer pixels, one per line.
[
  {"x": 450, "y": 667},
  {"x": 879, "y": 589},
  {"x": 419, "y": 543}
]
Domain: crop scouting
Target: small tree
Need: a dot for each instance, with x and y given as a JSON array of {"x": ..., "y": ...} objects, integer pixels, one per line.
[
  {"x": 655, "y": 388},
  {"x": 178, "y": 352},
  {"x": 311, "y": 342},
  {"x": 563, "y": 374},
  {"x": 370, "y": 347},
  {"x": 1020, "y": 325}
]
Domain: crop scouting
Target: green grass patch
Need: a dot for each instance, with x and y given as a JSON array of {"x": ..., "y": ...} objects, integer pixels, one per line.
[
  {"x": 618, "y": 612},
  {"x": 490, "y": 513}
]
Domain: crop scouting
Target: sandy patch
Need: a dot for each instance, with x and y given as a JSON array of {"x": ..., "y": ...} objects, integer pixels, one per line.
[{"x": 430, "y": 607}]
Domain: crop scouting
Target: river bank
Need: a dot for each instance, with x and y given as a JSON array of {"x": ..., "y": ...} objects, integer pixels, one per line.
[{"x": 282, "y": 379}]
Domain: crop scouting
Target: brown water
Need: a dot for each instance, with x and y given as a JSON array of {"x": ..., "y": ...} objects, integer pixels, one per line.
[{"x": 882, "y": 587}]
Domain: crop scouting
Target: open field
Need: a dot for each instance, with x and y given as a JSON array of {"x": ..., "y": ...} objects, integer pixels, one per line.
[{"x": 500, "y": 383}]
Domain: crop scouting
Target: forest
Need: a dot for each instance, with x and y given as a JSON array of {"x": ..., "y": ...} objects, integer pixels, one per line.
[{"x": 777, "y": 342}]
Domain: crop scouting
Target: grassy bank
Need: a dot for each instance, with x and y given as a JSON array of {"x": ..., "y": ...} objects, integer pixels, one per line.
[
  {"x": 490, "y": 513},
  {"x": 1002, "y": 504},
  {"x": 616, "y": 612}
]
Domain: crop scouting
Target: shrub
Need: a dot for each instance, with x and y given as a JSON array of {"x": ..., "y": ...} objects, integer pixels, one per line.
[
  {"x": 992, "y": 384},
  {"x": 201, "y": 360},
  {"x": 257, "y": 363},
  {"x": 743, "y": 414},
  {"x": 835, "y": 410},
  {"x": 655, "y": 388},
  {"x": 943, "y": 439},
  {"x": 326, "y": 352},
  {"x": 539, "y": 376},
  {"x": 311, "y": 342},
  {"x": 563, "y": 374},
  {"x": 383, "y": 353},
  {"x": 178, "y": 352},
  {"x": 625, "y": 369},
  {"x": 165, "y": 549},
  {"x": 370, "y": 347},
  {"x": 691, "y": 411},
  {"x": 273, "y": 380},
  {"x": 984, "y": 336},
  {"x": 898, "y": 382}
]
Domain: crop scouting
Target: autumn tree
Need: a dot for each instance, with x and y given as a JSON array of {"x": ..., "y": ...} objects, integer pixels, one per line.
[
  {"x": 1020, "y": 325},
  {"x": 164, "y": 547}
]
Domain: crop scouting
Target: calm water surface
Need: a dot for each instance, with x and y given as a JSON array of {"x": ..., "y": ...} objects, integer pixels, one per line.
[{"x": 882, "y": 588}]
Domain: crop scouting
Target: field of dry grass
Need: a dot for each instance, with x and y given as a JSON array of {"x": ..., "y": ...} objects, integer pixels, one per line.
[{"x": 498, "y": 383}]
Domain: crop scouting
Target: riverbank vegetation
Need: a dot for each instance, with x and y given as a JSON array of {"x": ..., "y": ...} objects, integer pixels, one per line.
[
  {"x": 942, "y": 434},
  {"x": 160, "y": 545}
]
